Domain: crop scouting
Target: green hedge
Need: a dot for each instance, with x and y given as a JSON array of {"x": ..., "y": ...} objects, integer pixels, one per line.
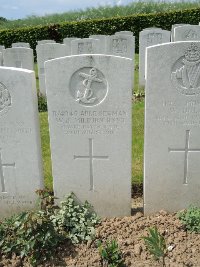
[{"x": 82, "y": 29}]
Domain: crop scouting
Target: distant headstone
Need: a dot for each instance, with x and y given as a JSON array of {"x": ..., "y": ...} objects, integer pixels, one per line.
[
  {"x": 21, "y": 44},
  {"x": 86, "y": 46},
  {"x": 187, "y": 33},
  {"x": 19, "y": 57},
  {"x": 67, "y": 41},
  {"x": 172, "y": 30},
  {"x": 1, "y": 59},
  {"x": 121, "y": 45},
  {"x": 89, "y": 105},
  {"x": 45, "y": 41},
  {"x": 102, "y": 38},
  {"x": 149, "y": 37},
  {"x": 2, "y": 47},
  {"x": 124, "y": 32},
  {"x": 46, "y": 52},
  {"x": 20, "y": 150},
  {"x": 172, "y": 143}
]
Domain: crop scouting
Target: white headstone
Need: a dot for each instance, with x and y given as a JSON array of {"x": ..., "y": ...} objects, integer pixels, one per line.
[
  {"x": 21, "y": 44},
  {"x": 67, "y": 41},
  {"x": 172, "y": 127},
  {"x": 19, "y": 57},
  {"x": 187, "y": 33},
  {"x": 125, "y": 33},
  {"x": 46, "y": 52},
  {"x": 89, "y": 105},
  {"x": 20, "y": 149},
  {"x": 45, "y": 41},
  {"x": 102, "y": 38},
  {"x": 2, "y": 47},
  {"x": 172, "y": 30},
  {"x": 149, "y": 37},
  {"x": 86, "y": 46},
  {"x": 121, "y": 45},
  {"x": 1, "y": 59}
]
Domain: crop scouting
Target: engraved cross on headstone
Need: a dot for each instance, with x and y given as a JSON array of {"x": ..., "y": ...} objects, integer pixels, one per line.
[
  {"x": 2, "y": 178},
  {"x": 186, "y": 150},
  {"x": 91, "y": 157}
]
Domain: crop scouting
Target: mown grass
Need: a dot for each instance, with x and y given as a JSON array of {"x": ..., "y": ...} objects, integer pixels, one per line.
[
  {"x": 137, "y": 139},
  {"x": 136, "y": 7}
]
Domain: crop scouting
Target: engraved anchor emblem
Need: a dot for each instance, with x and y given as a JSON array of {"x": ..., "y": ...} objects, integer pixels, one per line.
[
  {"x": 187, "y": 77},
  {"x": 5, "y": 98},
  {"x": 87, "y": 95}
]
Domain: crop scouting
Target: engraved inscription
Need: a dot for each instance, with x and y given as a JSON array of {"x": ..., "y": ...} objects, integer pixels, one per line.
[
  {"x": 154, "y": 38},
  {"x": 93, "y": 122},
  {"x": 190, "y": 35},
  {"x": 84, "y": 48},
  {"x": 5, "y": 99},
  {"x": 91, "y": 158},
  {"x": 185, "y": 150},
  {"x": 2, "y": 178},
  {"x": 119, "y": 45},
  {"x": 186, "y": 72},
  {"x": 88, "y": 86}
]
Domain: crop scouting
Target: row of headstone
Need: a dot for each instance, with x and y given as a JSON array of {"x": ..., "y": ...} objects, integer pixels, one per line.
[
  {"x": 89, "y": 109},
  {"x": 121, "y": 44}
]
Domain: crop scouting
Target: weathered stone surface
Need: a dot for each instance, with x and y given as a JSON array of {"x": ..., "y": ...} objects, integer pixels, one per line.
[
  {"x": 149, "y": 37},
  {"x": 172, "y": 30},
  {"x": 86, "y": 46},
  {"x": 45, "y": 42},
  {"x": 124, "y": 32},
  {"x": 172, "y": 126},
  {"x": 19, "y": 57},
  {"x": 187, "y": 33},
  {"x": 89, "y": 105},
  {"x": 20, "y": 149},
  {"x": 121, "y": 45},
  {"x": 46, "y": 52},
  {"x": 67, "y": 41},
  {"x": 21, "y": 44}
]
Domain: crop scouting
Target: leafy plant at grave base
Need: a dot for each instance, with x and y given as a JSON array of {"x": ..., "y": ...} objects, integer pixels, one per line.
[
  {"x": 110, "y": 254},
  {"x": 190, "y": 218},
  {"x": 78, "y": 220},
  {"x": 156, "y": 244},
  {"x": 31, "y": 234},
  {"x": 42, "y": 103},
  {"x": 36, "y": 234}
]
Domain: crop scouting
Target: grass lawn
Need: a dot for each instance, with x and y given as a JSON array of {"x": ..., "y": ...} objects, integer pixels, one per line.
[{"x": 137, "y": 140}]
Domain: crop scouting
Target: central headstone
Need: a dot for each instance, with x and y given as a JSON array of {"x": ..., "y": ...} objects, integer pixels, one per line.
[
  {"x": 90, "y": 129},
  {"x": 172, "y": 127}
]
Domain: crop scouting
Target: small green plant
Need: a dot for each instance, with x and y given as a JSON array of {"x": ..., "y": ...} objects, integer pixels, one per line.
[
  {"x": 36, "y": 234},
  {"x": 156, "y": 245},
  {"x": 78, "y": 220},
  {"x": 42, "y": 103},
  {"x": 110, "y": 254},
  {"x": 190, "y": 218}
]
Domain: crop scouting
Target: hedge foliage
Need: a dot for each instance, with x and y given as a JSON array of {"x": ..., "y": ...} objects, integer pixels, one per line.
[{"x": 82, "y": 29}]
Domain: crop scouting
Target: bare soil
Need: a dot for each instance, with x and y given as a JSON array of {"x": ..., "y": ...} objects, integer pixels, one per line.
[{"x": 184, "y": 247}]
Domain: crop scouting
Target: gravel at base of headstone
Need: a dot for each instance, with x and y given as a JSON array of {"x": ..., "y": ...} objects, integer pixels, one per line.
[
  {"x": 172, "y": 127},
  {"x": 89, "y": 105},
  {"x": 20, "y": 148}
]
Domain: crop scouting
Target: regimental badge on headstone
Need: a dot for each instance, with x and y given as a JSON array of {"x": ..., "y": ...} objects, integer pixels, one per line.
[{"x": 186, "y": 71}]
